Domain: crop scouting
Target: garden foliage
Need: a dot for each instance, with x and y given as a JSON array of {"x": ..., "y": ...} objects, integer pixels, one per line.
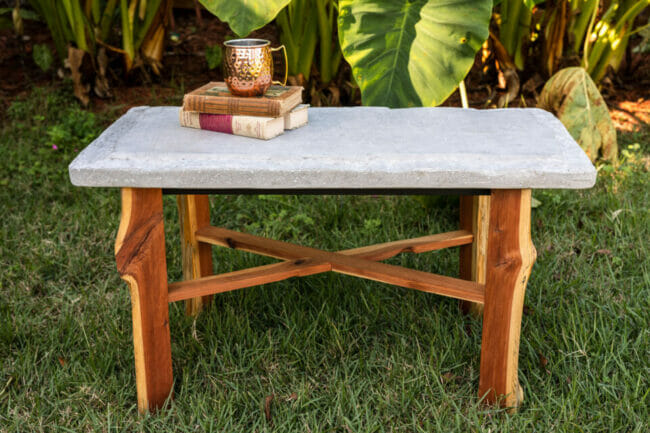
[
  {"x": 574, "y": 98},
  {"x": 594, "y": 31},
  {"x": 305, "y": 25},
  {"x": 244, "y": 16},
  {"x": 88, "y": 25},
  {"x": 404, "y": 53},
  {"x": 411, "y": 53}
]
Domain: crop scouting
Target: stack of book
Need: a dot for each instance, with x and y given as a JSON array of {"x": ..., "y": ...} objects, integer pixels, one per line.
[{"x": 214, "y": 108}]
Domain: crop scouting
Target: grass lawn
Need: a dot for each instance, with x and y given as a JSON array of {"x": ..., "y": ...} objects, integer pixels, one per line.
[{"x": 338, "y": 354}]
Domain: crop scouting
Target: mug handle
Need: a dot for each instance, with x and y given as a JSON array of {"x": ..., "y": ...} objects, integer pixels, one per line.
[{"x": 286, "y": 66}]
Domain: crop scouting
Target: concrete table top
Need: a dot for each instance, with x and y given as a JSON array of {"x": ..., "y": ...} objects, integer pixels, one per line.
[{"x": 342, "y": 148}]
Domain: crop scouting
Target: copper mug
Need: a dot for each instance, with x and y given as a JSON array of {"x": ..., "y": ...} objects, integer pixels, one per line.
[{"x": 248, "y": 66}]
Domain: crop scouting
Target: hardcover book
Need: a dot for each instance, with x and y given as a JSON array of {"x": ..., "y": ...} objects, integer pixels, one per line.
[
  {"x": 214, "y": 98},
  {"x": 263, "y": 128},
  {"x": 297, "y": 117}
]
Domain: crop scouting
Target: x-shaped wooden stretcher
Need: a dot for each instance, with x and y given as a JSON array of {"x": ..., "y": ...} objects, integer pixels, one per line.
[
  {"x": 300, "y": 261},
  {"x": 500, "y": 245}
]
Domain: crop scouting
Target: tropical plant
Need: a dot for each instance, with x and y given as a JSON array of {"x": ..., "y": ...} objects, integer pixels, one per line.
[
  {"x": 411, "y": 53},
  {"x": 600, "y": 29},
  {"x": 55, "y": 16},
  {"x": 86, "y": 28},
  {"x": 606, "y": 44},
  {"x": 244, "y": 16},
  {"x": 298, "y": 23},
  {"x": 597, "y": 31},
  {"x": 88, "y": 24},
  {"x": 574, "y": 98},
  {"x": 514, "y": 21},
  {"x": 306, "y": 24},
  {"x": 402, "y": 53},
  {"x": 329, "y": 48}
]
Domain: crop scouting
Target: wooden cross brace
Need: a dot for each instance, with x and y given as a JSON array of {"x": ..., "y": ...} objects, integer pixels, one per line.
[
  {"x": 300, "y": 261},
  {"x": 496, "y": 258}
]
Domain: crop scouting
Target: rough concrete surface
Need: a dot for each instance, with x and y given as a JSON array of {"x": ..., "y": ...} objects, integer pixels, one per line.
[{"x": 342, "y": 148}]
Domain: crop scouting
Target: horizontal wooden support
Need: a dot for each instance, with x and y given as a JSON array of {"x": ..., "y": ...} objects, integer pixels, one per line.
[
  {"x": 411, "y": 278},
  {"x": 303, "y": 266},
  {"x": 423, "y": 244},
  {"x": 356, "y": 262},
  {"x": 284, "y": 250},
  {"x": 245, "y": 278}
]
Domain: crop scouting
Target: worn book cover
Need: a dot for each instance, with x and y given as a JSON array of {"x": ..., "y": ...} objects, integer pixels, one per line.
[
  {"x": 260, "y": 127},
  {"x": 215, "y": 98},
  {"x": 297, "y": 117},
  {"x": 248, "y": 126}
]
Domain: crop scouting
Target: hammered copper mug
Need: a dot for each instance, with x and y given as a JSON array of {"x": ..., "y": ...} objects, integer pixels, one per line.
[{"x": 248, "y": 66}]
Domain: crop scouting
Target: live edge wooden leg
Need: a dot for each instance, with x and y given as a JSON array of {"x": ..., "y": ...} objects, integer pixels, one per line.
[
  {"x": 194, "y": 213},
  {"x": 140, "y": 257},
  {"x": 474, "y": 217},
  {"x": 510, "y": 258}
]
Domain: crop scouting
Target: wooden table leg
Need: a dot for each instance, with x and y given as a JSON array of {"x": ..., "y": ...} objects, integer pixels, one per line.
[
  {"x": 474, "y": 217},
  {"x": 194, "y": 213},
  {"x": 140, "y": 257},
  {"x": 510, "y": 258}
]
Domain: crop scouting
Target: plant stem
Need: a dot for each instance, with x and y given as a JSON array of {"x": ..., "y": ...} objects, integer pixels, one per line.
[
  {"x": 463, "y": 94},
  {"x": 325, "y": 32},
  {"x": 579, "y": 28},
  {"x": 107, "y": 19},
  {"x": 585, "y": 50}
]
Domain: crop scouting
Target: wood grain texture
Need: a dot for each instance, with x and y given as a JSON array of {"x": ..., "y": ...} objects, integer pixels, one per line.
[
  {"x": 194, "y": 213},
  {"x": 474, "y": 217},
  {"x": 246, "y": 278},
  {"x": 269, "y": 247},
  {"x": 140, "y": 257},
  {"x": 409, "y": 278},
  {"x": 510, "y": 258},
  {"x": 349, "y": 265},
  {"x": 422, "y": 244},
  {"x": 304, "y": 266}
]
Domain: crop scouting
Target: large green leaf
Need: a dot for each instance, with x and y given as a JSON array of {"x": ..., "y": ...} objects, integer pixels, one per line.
[
  {"x": 574, "y": 98},
  {"x": 411, "y": 53},
  {"x": 244, "y": 16}
]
